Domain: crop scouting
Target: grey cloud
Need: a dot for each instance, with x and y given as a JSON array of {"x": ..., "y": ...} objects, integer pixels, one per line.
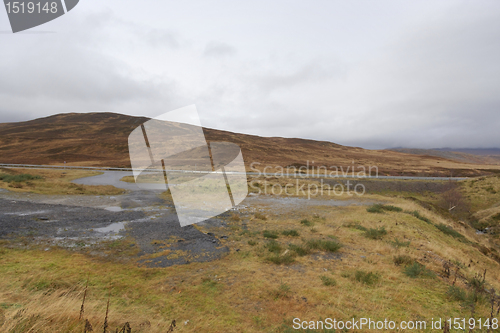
[{"x": 218, "y": 49}]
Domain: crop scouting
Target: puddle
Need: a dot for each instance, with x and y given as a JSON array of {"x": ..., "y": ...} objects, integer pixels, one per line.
[
  {"x": 27, "y": 213},
  {"x": 112, "y": 228},
  {"x": 114, "y": 209}
]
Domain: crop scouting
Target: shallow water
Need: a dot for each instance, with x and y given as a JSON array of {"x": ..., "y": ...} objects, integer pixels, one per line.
[{"x": 112, "y": 228}]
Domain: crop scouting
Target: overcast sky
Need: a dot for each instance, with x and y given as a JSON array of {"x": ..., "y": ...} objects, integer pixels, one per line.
[{"x": 374, "y": 74}]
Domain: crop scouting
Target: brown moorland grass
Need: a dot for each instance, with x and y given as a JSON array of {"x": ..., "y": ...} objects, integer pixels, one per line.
[{"x": 44, "y": 289}]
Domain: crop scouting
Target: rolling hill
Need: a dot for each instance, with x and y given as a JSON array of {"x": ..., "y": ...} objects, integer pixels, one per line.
[{"x": 100, "y": 139}]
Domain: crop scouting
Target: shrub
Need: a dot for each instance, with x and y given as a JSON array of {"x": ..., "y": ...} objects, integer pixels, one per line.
[
  {"x": 292, "y": 232},
  {"x": 403, "y": 260},
  {"x": 398, "y": 244},
  {"x": 368, "y": 278},
  {"x": 273, "y": 246},
  {"x": 417, "y": 270},
  {"x": 270, "y": 234},
  {"x": 327, "y": 281},
  {"x": 324, "y": 245},
  {"x": 307, "y": 223},
  {"x": 300, "y": 250},
  {"x": 450, "y": 231},
  {"x": 456, "y": 294},
  {"x": 375, "y": 233}
]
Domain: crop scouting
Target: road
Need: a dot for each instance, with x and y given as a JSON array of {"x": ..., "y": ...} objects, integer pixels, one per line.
[{"x": 255, "y": 174}]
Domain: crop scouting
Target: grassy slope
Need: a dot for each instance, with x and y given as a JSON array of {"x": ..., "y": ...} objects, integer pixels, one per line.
[{"x": 243, "y": 291}]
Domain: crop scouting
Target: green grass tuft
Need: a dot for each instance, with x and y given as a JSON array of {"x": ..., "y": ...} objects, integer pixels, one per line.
[
  {"x": 292, "y": 232},
  {"x": 417, "y": 270},
  {"x": 327, "y": 281},
  {"x": 307, "y": 223},
  {"x": 377, "y": 233},
  {"x": 380, "y": 208},
  {"x": 416, "y": 214},
  {"x": 368, "y": 278},
  {"x": 324, "y": 245},
  {"x": 397, "y": 243},
  {"x": 273, "y": 246},
  {"x": 403, "y": 260},
  {"x": 285, "y": 259},
  {"x": 300, "y": 250},
  {"x": 270, "y": 234},
  {"x": 450, "y": 231}
]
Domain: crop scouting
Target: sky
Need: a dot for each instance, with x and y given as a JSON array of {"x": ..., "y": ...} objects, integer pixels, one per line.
[{"x": 372, "y": 74}]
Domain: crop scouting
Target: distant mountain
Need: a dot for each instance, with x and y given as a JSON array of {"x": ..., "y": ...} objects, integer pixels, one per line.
[
  {"x": 101, "y": 139},
  {"x": 466, "y": 155},
  {"x": 475, "y": 151}
]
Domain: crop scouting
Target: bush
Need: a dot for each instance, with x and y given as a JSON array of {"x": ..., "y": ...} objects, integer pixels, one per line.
[
  {"x": 328, "y": 281},
  {"x": 270, "y": 234},
  {"x": 403, "y": 260},
  {"x": 417, "y": 270},
  {"x": 397, "y": 244},
  {"x": 379, "y": 208},
  {"x": 375, "y": 233},
  {"x": 450, "y": 231},
  {"x": 324, "y": 245},
  {"x": 300, "y": 250},
  {"x": 307, "y": 223},
  {"x": 292, "y": 232},
  {"x": 368, "y": 278}
]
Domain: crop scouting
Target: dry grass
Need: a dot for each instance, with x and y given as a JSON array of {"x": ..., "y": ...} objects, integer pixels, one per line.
[
  {"x": 243, "y": 291},
  {"x": 55, "y": 182}
]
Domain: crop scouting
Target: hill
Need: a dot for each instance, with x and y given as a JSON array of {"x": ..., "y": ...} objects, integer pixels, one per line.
[{"x": 100, "y": 139}]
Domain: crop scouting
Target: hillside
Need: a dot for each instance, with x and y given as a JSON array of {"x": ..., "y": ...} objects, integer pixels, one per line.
[{"x": 100, "y": 139}]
